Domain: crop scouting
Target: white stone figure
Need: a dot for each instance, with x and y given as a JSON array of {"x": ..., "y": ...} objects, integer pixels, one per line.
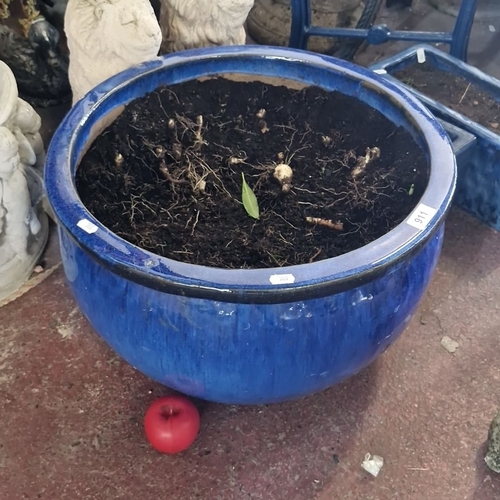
[
  {"x": 23, "y": 224},
  {"x": 188, "y": 24},
  {"x": 29, "y": 123},
  {"x": 106, "y": 37},
  {"x": 18, "y": 219},
  {"x": 8, "y": 93},
  {"x": 21, "y": 119}
]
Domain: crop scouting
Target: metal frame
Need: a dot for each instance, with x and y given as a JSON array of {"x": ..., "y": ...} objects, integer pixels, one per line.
[{"x": 458, "y": 39}]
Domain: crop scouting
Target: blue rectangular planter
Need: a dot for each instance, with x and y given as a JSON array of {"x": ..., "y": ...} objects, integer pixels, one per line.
[
  {"x": 463, "y": 142},
  {"x": 478, "y": 186}
]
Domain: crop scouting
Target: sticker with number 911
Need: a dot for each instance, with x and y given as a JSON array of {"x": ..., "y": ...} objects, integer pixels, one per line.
[{"x": 421, "y": 216}]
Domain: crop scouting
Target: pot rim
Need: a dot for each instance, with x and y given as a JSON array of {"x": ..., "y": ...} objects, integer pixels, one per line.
[{"x": 269, "y": 285}]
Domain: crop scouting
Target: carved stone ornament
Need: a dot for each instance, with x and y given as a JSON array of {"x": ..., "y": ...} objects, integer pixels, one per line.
[
  {"x": 23, "y": 223},
  {"x": 106, "y": 37},
  {"x": 188, "y": 24}
]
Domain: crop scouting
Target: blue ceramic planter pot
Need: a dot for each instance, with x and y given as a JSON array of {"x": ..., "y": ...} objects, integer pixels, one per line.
[
  {"x": 478, "y": 185},
  {"x": 248, "y": 336}
]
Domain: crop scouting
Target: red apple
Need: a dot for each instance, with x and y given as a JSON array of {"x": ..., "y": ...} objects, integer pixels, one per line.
[{"x": 172, "y": 424}]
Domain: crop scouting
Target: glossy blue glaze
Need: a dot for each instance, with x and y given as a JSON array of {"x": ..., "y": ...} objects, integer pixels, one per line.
[
  {"x": 478, "y": 185},
  {"x": 463, "y": 142},
  {"x": 248, "y": 353},
  {"x": 233, "y": 336}
]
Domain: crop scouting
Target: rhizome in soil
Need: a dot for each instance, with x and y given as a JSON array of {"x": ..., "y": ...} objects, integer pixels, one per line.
[{"x": 167, "y": 174}]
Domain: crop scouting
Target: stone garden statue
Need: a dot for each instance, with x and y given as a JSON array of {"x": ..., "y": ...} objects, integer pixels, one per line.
[
  {"x": 17, "y": 218},
  {"x": 54, "y": 10},
  {"x": 106, "y": 37},
  {"x": 23, "y": 224},
  {"x": 27, "y": 124},
  {"x": 188, "y": 24}
]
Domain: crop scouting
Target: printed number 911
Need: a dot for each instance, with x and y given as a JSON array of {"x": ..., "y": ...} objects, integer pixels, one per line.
[{"x": 421, "y": 216}]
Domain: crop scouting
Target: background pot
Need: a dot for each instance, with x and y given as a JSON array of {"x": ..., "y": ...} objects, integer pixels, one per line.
[
  {"x": 269, "y": 21},
  {"x": 248, "y": 336},
  {"x": 478, "y": 187}
]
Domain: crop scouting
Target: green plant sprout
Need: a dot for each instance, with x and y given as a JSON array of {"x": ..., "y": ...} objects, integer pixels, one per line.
[
  {"x": 248, "y": 198},
  {"x": 411, "y": 190}
]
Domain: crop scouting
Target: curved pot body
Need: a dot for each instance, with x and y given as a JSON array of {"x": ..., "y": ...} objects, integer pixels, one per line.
[{"x": 248, "y": 336}]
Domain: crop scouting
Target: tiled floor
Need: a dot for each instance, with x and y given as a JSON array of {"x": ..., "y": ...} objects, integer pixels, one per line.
[{"x": 71, "y": 411}]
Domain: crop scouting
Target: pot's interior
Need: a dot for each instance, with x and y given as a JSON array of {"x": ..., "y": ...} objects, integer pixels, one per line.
[
  {"x": 353, "y": 175},
  {"x": 105, "y": 121},
  {"x": 456, "y": 86},
  {"x": 110, "y": 117},
  {"x": 443, "y": 63},
  {"x": 89, "y": 117}
]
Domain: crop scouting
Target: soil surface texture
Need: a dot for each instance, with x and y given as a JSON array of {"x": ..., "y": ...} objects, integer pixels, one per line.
[
  {"x": 454, "y": 92},
  {"x": 167, "y": 174}
]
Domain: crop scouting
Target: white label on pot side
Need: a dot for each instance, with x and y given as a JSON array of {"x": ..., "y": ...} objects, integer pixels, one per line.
[
  {"x": 421, "y": 55},
  {"x": 87, "y": 226},
  {"x": 282, "y": 279},
  {"x": 380, "y": 71},
  {"x": 421, "y": 216}
]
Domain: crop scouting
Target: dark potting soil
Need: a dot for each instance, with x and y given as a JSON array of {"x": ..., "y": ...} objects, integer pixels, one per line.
[
  {"x": 454, "y": 92},
  {"x": 167, "y": 174}
]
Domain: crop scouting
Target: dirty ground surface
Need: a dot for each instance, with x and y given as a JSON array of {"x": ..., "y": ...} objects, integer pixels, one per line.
[{"x": 71, "y": 411}]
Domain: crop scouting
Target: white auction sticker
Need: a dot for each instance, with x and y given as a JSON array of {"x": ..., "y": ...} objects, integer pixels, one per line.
[
  {"x": 282, "y": 279},
  {"x": 421, "y": 55},
  {"x": 421, "y": 216},
  {"x": 87, "y": 226}
]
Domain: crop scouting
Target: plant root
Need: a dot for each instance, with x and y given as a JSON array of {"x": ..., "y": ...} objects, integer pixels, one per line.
[
  {"x": 283, "y": 174},
  {"x": 318, "y": 221},
  {"x": 363, "y": 161}
]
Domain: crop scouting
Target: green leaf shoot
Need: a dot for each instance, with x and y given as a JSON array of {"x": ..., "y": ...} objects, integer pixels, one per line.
[{"x": 248, "y": 198}]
